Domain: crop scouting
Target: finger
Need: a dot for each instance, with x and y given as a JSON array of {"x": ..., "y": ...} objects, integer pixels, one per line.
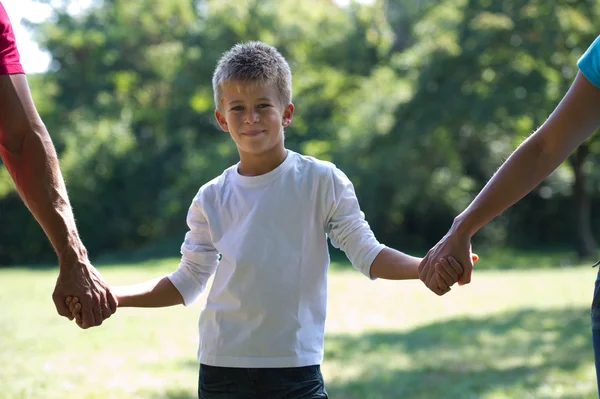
[
  {"x": 77, "y": 314},
  {"x": 442, "y": 287},
  {"x": 61, "y": 307},
  {"x": 88, "y": 318},
  {"x": 465, "y": 278},
  {"x": 75, "y": 307},
  {"x": 74, "y": 301},
  {"x": 77, "y": 311},
  {"x": 422, "y": 268},
  {"x": 429, "y": 274},
  {"x": 455, "y": 266},
  {"x": 112, "y": 301},
  {"x": 445, "y": 271},
  {"x": 443, "y": 274},
  {"x": 68, "y": 303},
  {"x": 104, "y": 308},
  {"x": 97, "y": 310}
]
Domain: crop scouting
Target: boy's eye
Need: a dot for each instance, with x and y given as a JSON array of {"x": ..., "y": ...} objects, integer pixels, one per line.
[
  {"x": 237, "y": 108},
  {"x": 263, "y": 105}
]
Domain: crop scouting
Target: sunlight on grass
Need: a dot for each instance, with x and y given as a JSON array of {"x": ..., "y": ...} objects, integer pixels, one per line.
[{"x": 509, "y": 334}]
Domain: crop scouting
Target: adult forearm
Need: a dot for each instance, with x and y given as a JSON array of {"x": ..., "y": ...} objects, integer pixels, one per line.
[
  {"x": 151, "y": 294},
  {"x": 29, "y": 155},
  {"x": 525, "y": 169},
  {"x": 33, "y": 165},
  {"x": 574, "y": 120},
  {"x": 390, "y": 264}
]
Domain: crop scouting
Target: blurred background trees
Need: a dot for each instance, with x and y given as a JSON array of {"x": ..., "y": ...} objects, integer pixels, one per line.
[{"x": 418, "y": 101}]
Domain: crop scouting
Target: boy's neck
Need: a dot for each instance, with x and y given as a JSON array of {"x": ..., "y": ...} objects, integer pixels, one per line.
[{"x": 260, "y": 164}]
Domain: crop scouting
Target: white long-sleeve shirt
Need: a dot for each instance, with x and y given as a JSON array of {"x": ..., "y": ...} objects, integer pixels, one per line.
[{"x": 267, "y": 303}]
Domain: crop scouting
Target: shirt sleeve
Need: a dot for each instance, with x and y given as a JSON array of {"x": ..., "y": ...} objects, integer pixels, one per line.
[
  {"x": 347, "y": 227},
  {"x": 199, "y": 257},
  {"x": 589, "y": 63},
  {"x": 10, "y": 62}
]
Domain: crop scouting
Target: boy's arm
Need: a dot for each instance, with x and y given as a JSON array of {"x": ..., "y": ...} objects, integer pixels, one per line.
[
  {"x": 390, "y": 264},
  {"x": 199, "y": 258},
  {"x": 346, "y": 225},
  {"x": 155, "y": 293}
]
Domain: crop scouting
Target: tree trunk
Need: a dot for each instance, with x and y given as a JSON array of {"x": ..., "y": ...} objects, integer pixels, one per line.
[{"x": 586, "y": 244}]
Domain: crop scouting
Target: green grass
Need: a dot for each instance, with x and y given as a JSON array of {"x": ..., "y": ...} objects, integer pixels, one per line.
[{"x": 509, "y": 334}]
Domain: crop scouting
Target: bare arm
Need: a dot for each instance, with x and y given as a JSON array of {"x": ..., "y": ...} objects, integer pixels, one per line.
[
  {"x": 30, "y": 158},
  {"x": 574, "y": 120},
  {"x": 390, "y": 264},
  {"x": 156, "y": 293}
]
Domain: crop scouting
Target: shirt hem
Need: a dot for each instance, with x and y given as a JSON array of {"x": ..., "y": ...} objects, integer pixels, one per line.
[{"x": 260, "y": 362}]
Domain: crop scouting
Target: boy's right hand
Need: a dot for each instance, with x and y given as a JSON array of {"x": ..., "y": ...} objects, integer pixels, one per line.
[{"x": 448, "y": 272}]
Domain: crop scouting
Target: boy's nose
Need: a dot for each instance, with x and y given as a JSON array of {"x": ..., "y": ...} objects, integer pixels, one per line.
[{"x": 251, "y": 117}]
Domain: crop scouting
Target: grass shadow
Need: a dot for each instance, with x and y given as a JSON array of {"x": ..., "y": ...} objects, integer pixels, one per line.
[
  {"x": 176, "y": 394},
  {"x": 514, "y": 353}
]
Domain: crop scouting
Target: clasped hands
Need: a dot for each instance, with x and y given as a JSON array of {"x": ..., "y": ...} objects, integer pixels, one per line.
[{"x": 450, "y": 261}]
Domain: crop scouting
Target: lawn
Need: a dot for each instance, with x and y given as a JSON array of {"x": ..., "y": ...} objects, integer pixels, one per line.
[{"x": 509, "y": 334}]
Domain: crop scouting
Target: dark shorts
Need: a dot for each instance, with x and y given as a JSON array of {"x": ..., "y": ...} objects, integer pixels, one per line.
[{"x": 261, "y": 383}]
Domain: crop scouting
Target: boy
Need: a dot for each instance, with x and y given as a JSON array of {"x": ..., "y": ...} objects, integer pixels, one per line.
[{"x": 268, "y": 217}]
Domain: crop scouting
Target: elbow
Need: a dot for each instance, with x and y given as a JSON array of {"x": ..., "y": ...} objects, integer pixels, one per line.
[{"x": 14, "y": 141}]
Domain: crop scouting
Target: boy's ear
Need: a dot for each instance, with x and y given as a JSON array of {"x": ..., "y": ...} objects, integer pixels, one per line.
[
  {"x": 221, "y": 120},
  {"x": 288, "y": 114}
]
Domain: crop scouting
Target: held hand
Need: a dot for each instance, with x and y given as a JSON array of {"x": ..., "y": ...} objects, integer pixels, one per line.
[
  {"x": 452, "y": 245},
  {"x": 74, "y": 308},
  {"x": 83, "y": 281}
]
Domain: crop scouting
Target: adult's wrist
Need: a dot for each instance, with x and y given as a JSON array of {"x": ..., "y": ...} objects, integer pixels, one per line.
[
  {"x": 71, "y": 256},
  {"x": 463, "y": 226}
]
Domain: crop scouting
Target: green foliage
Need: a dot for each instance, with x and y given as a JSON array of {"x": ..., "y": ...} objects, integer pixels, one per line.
[{"x": 417, "y": 101}]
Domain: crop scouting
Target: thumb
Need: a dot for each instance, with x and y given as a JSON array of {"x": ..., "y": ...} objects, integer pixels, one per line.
[{"x": 465, "y": 278}]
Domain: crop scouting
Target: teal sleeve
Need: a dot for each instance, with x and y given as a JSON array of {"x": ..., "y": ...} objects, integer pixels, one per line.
[{"x": 589, "y": 63}]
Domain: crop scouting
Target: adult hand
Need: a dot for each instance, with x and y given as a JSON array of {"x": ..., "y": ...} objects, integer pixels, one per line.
[
  {"x": 454, "y": 245},
  {"x": 82, "y": 280}
]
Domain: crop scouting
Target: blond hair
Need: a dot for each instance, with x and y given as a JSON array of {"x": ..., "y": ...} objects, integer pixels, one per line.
[{"x": 253, "y": 63}]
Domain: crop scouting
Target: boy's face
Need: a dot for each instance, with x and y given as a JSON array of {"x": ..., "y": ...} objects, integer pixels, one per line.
[{"x": 254, "y": 117}]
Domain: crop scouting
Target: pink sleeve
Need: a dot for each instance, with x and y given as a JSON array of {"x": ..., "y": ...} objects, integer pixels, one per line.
[{"x": 10, "y": 62}]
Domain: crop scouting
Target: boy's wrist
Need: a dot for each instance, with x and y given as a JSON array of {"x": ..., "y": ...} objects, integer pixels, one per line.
[{"x": 119, "y": 296}]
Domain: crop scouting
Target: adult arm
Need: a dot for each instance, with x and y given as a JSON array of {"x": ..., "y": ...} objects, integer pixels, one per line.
[
  {"x": 30, "y": 158},
  {"x": 575, "y": 119}
]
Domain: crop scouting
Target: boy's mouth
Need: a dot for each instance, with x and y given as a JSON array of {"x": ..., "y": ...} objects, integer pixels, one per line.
[{"x": 253, "y": 133}]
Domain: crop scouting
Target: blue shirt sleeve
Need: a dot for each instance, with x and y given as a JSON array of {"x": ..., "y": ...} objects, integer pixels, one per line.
[{"x": 589, "y": 63}]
